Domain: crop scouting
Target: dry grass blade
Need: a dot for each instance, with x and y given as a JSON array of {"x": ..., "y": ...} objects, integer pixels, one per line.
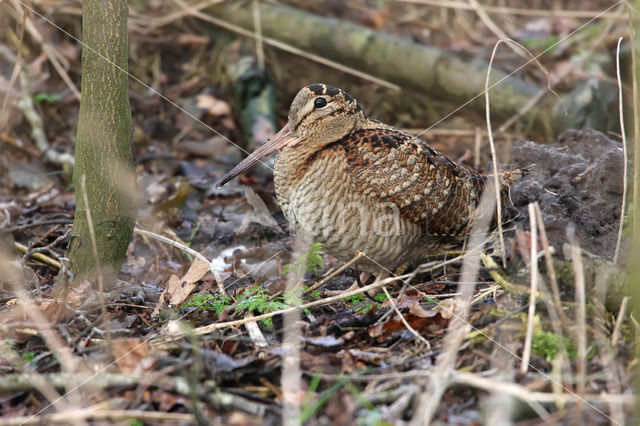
[
  {"x": 551, "y": 271},
  {"x": 624, "y": 151},
  {"x": 615, "y": 335},
  {"x": 17, "y": 67},
  {"x": 525, "y": 394},
  {"x": 581, "y": 314},
  {"x": 493, "y": 27},
  {"x": 494, "y": 157},
  {"x": 291, "y": 376},
  {"x": 533, "y": 273}
]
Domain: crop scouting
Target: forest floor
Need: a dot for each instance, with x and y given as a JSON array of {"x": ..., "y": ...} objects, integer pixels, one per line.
[{"x": 165, "y": 345}]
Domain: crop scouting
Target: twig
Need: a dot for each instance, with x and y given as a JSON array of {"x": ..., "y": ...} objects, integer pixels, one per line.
[
  {"x": 624, "y": 154},
  {"x": 186, "y": 249},
  {"x": 533, "y": 272},
  {"x": 615, "y": 335},
  {"x": 551, "y": 272},
  {"x": 255, "y": 334},
  {"x": 37, "y": 256},
  {"x": 404, "y": 320},
  {"x": 494, "y": 158},
  {"x": 522, "y": 393},
  {"x": 335, "y": 273},
  {"x": 495, "y": 29},
  {"x": 22, "y": 227},
  {"x": 581, "y": 315}
]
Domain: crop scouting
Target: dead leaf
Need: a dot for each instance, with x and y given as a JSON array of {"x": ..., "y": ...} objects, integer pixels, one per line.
[
  {"x": 79, "y": 293},
  {"x": 178, "y": 289},
  {"x": 260, "y": 213},
  {"x": 129, "y": 354}
]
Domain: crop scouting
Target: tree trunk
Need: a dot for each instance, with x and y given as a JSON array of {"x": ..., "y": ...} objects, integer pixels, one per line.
[{"x": 104, "y": 144}]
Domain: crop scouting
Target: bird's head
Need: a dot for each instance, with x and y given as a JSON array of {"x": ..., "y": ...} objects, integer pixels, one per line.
[{"x": 319, "y": 115}]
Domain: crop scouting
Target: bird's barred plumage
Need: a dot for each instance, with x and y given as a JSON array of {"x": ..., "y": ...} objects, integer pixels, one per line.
[{"x": 356, "y": 184}]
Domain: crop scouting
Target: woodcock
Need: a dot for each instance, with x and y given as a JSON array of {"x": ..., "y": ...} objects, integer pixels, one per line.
[{"x": 355, "y": 184}]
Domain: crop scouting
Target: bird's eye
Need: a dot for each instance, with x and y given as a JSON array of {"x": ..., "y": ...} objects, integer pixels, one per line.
[{"x": 320, "y": 103}]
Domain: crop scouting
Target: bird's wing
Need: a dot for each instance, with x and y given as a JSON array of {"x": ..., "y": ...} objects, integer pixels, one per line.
[{"x": 429, "y": 189}]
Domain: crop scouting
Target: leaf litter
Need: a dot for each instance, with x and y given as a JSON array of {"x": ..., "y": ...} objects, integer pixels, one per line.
[{"x": 243, "y": 232}]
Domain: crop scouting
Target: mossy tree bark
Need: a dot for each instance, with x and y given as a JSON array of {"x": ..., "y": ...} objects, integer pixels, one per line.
[{"x": 104, "y": 144}]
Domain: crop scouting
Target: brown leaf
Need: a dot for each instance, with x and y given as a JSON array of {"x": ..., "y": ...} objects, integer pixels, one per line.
[
  {"x": 178, "y": 289},
  {"x": 79, "y": 293},
  {"x": 129, "y": 354}
]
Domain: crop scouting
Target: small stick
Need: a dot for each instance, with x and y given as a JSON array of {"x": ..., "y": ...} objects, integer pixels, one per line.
[
  {"x": 555, "y": 289},
  {"x": 533, "y": 272},
  {"x": 404, "y": 320},
  {"x": 615, "y": 335},
  {"x": 254, "y": 331},
  {"x": 37, "y": 256},
  {"x": 581, "y": 314},
  {"x": 494, "y": 158},
  {"x": 186, "y": 249},
  {"x": 337, "y": 272}
]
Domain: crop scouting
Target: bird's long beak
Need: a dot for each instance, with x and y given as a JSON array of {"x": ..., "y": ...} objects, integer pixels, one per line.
[{"x": 281, "y": 139}]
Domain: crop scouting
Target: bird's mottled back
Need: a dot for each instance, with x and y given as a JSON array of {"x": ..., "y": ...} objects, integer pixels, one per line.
[{"x": 356, "y": 184}]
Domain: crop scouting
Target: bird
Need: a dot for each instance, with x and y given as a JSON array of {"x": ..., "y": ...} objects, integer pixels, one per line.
[{"x": 355, "y": 184}]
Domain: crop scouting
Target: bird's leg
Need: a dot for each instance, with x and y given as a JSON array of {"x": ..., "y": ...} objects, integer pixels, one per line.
[{"x": 361, "y": 277}]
